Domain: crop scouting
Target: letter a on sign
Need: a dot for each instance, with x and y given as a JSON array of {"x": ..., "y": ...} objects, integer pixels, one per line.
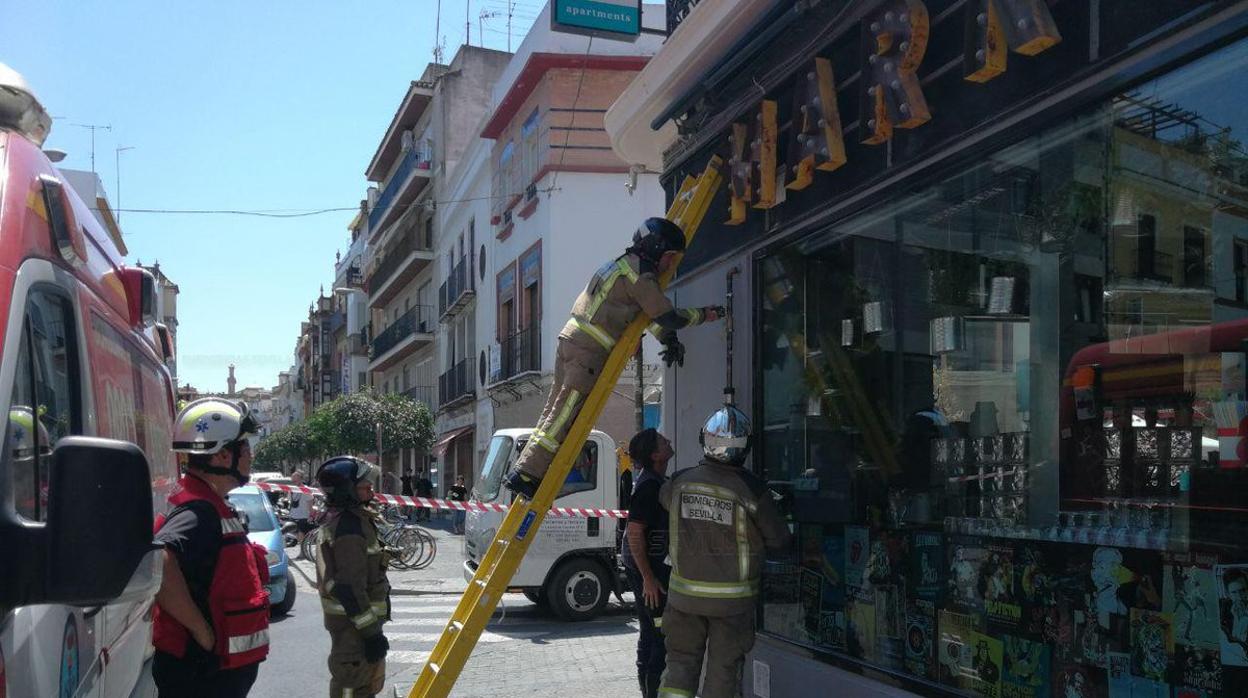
[
  {"x": 816, "y": 141},
  {"x": 893, "y": 41},
  {"x": 1026, "y": 26}
]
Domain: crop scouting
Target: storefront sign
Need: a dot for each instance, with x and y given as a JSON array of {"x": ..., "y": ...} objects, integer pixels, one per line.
[
  {"x": 612, "y": 19},
  {"x": 894, "y": 41}
]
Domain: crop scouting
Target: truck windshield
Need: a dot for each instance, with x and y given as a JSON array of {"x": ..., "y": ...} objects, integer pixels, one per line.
[{"x": 496, "y": 461}]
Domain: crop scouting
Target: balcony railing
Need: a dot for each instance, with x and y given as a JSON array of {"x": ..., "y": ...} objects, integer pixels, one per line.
[
  {"x": 416, "y": 320},
  {"x": 456, "y": 383},
  {"x": 519, "y": 353},
  {"x": 418, "y": 159},
  {"x": 458, "y": 289},
  {"x": 407, "y": 244},
  {"x": 423, "y": 394}
]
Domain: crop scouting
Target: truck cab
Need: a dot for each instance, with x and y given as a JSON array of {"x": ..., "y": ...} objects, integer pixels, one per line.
[{"x": 571, "y": 564}]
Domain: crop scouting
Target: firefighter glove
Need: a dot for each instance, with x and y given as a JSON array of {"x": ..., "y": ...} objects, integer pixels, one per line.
[
  {"x": 375, "y": 648},
  {"x": 673, "y": 351}
]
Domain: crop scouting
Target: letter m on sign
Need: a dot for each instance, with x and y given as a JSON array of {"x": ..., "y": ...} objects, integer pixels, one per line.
[{"x": 995, "y": 26}]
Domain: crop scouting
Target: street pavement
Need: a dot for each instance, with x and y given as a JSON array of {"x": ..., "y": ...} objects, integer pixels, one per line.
[{"x": 524, "y": 651}]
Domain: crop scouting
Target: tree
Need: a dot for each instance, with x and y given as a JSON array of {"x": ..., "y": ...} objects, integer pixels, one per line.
[{"x": 349, "y": 424}]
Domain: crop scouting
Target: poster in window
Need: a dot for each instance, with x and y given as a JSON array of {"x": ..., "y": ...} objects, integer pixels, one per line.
[
  {"x": 920, "y": 637},
  {"x": 1190, "y": 596},
  {"x": 1197, "y": 670},
  {"x": 860, "y": 635},
  {"x": 857, "y": 550},
  {"x": 954, "y": 649},
  {"x": 1123, "y": 684},
  {"x": 1026, "y": 673},
  {"x": 832, "y": 629},
  {"x": 1233, "y": 613},
  {"x": 926, "y": 560},
  {"x": 1037, "y": 590},
  {"x": 810, "y": 596},
  {"x": 1073, "y": 680},
  {"x": 998, "y": 586},
  {"x": 1152, "y": 644},
  {"x": 966, "y": 560},
  {"x": 890, "y": 625},
  {"x": 986, "y": 661}
]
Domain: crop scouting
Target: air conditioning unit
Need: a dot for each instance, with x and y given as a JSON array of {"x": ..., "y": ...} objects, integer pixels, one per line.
[
  {"x": 406, "y": 141},
  {"x": 373, "y": 194}
]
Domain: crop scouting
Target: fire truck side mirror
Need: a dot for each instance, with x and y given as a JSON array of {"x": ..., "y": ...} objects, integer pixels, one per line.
[{"x": 98, "y": 530}]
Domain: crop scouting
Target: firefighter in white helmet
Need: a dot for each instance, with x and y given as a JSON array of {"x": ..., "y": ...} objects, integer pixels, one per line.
[{"x": 210, "y": 625}]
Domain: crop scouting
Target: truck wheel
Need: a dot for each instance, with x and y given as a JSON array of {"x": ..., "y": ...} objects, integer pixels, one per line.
[
  {"x": 579, "y": 590},
  {"x": 288, "y": 601}
]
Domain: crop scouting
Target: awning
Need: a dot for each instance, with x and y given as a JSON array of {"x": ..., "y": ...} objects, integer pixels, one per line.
[{"x": 440, "y": 446}]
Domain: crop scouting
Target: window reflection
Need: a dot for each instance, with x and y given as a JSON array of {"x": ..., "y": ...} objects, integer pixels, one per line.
[{"x": 1012, "y": 414}]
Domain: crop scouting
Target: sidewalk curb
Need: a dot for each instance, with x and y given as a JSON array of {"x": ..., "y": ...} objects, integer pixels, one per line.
[{"x": 311, "y": 580}]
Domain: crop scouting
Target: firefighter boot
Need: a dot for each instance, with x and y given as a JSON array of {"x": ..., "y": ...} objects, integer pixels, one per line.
[
  {"x": 650, "y": 687},
  {"x": 522, "y": 483}
]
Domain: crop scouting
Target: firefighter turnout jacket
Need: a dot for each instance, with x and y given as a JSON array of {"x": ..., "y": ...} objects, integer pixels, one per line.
[
  {"x": 722, "y": 521},
  {"x": 351, "y": 574},
  {"x": 618, "y": 291}
]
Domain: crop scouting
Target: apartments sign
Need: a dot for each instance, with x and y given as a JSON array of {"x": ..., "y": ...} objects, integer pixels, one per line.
[
  {"x": 610, "y": 19},
  {"x": 894, "y": 41}
]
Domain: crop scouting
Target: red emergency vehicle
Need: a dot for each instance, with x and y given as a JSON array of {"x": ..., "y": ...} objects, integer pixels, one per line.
[{"x": 86, "y": 458}]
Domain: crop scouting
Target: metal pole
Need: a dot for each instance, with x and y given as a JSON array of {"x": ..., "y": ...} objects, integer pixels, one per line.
[
  {"x": 639, "y": 390},
  {"x": 118, "y": 151},
  {"x": 729, "y": 390}
]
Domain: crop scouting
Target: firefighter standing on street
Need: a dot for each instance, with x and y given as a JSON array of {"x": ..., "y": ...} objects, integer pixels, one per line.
[
  {"x": 617, "y": 293},
  {"x": 211, "y": 619},
  {"x": 722, "y": 519},
  {"x": 644, "y": 554},
  {"x": 351, "y": 578}
]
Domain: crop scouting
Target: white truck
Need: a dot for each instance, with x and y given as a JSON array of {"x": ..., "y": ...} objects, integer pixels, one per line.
[{"x": 571, "y": 566}]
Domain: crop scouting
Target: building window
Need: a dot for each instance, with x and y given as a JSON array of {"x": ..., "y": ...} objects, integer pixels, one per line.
[
  {"x": 1008, "y": 427},
  {"x": 529, "y": 135}
]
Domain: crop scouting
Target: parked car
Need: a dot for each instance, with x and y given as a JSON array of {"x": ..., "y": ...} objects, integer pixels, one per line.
[{"x": 263, "y": 529}]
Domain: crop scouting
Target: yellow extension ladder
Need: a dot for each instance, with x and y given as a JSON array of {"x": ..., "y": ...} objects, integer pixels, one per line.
[{"x": 523, "y": 519}]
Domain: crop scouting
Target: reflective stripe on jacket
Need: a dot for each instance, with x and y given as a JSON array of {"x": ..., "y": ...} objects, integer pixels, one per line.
[
  {"x": 722, "y": 521},
  {"x": 351, "y": 573},
  {"x": 238, "y": 604},
  {"x": 615, "y": 295}
]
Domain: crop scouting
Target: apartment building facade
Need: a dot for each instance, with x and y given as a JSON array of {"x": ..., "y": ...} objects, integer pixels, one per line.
[
  {"x": 423, "y": 142},
  {"x": 537, "y": 206}
]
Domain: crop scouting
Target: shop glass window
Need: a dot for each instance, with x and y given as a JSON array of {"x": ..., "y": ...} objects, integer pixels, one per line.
[
  {"x": 44, "y": 405},
  {"x": 1009, "y": 411}
]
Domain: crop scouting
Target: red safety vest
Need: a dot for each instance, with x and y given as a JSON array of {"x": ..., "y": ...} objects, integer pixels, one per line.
[{"x": 237, "y": 599}]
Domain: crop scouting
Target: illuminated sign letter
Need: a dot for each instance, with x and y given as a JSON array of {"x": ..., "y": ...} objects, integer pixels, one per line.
[
  {"x": 752, "y": 163},
  {"x": 816, "y": 142},
  {"x": 994, "y": 26},
  {"x": 894, "y": 41},
  {"x": 763, "y": 155}
]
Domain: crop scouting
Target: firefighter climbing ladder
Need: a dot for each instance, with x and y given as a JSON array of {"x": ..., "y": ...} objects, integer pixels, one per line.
[{"x": 522, "y": 521}]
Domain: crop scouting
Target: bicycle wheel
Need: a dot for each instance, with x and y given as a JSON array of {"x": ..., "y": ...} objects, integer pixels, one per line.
[
  {"x": 399, "y": 555},
  {"x": 428, "y": 549},
  {"x": 311, "y": 544}
]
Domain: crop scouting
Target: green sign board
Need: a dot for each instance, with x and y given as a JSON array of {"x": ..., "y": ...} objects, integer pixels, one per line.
[{"x": 613, "y": 19}]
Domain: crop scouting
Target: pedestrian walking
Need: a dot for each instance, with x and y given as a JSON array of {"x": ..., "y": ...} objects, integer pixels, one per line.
[
  {"x": 211, "y": 619},
  {"x": 424, "y": 488},
  {"x": 406, "y": 490},
  {"x": 644, "y": 554},
  {"x": 300, "y": 511},
  {"x": 351, "y": 579},
  {"x": 618, "y": 292},
  {"x": 722, "y": 518},
  {"x": 458, "y": 493}
]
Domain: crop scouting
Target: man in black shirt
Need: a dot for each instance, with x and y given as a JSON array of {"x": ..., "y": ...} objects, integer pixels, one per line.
[
  {"x": 644, "y": 553},
  {"x": 424, "y": 488},
  {"x": 458, "y": 493}
]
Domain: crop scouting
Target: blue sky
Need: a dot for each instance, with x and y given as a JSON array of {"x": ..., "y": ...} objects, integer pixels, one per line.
[{"x": 235, "y": 105}]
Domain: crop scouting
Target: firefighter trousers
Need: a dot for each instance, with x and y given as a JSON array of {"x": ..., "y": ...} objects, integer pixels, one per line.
[
  {"x": 350, "y": 675},
  {"x": 722, "y": 640},
  {"x": 577, "y": 368}
]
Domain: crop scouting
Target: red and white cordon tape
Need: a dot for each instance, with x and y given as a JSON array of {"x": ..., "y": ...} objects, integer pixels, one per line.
[{"x": 432, "y": 503}]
